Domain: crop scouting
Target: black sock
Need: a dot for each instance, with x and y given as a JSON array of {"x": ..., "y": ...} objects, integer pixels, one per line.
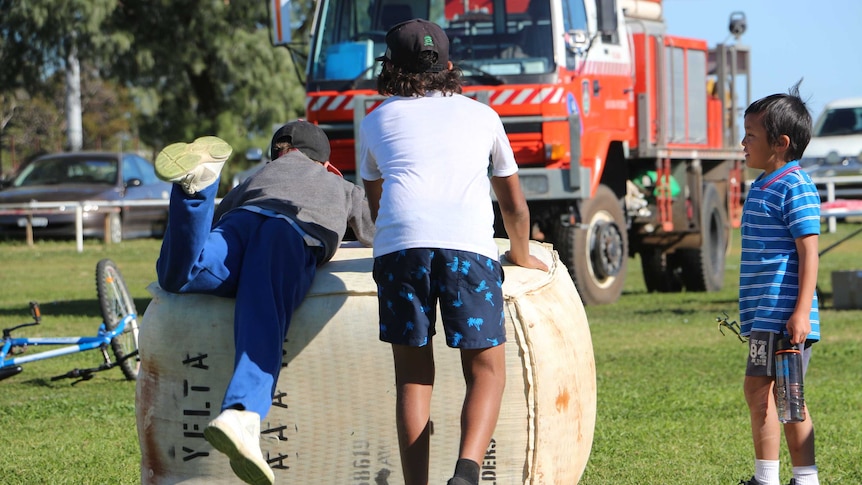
[{"x": 467, "y": 469}]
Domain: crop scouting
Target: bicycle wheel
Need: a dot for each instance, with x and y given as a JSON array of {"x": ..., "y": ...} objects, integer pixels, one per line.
[{"x": 116, "y": 303}]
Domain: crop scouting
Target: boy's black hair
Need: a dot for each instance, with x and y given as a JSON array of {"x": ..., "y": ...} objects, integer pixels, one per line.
[
  {"x": 395, "y": 81},
  {"x": 785, "y": 114}
]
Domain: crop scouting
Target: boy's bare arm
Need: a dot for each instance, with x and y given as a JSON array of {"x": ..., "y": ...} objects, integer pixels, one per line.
[
  {"x": 373, "y": 191},
  {"x": 516, "y": 220},
  {"x": 799, "y": 323}
]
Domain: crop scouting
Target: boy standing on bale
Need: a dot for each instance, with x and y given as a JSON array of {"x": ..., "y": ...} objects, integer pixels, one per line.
[{"x": 270, "y": 234}]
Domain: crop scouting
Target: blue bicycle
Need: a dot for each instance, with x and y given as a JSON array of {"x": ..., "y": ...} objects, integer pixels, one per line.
[{"x": 118, "y": 331}]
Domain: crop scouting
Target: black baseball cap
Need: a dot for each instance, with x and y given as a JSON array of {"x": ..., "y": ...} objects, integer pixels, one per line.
[
  {"x": 405, "y": 41},
  {"x": 306, "y": 137}
]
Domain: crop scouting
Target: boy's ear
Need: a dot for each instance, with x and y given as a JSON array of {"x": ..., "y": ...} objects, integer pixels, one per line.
[{"x": 782, "y": 143}]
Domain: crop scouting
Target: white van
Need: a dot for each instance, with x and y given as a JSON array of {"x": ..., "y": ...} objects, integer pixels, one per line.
[{"x": 835, "y": 149}]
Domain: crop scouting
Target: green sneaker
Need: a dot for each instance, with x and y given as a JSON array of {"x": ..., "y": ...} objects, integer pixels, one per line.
[
  {"x": 196, "y": 165},
  {"x": 237, "y": 434}
]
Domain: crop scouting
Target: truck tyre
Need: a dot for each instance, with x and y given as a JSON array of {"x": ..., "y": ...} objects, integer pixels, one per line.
[
  {"x": 596, "y": 250},
  {"x": 660, "y": 271},
  {"x": 703, "y": 268}
]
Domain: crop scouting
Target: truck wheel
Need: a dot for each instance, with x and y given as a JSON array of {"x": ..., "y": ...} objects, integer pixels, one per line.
[
  {"x": 596, "y": 250},
  {"x": 659, "y": 271},
  {"x": 703, "y": 268}
]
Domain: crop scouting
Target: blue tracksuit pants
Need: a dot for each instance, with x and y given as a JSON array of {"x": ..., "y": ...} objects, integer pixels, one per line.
[{"x": 260, "y": 261}]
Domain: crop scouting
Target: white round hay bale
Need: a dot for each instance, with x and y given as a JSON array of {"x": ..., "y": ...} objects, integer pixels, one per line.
[{"x": 333, "y": 418}]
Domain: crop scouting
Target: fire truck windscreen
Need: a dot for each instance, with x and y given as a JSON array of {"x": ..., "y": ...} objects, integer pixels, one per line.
[{"x": 515, "y": 40}]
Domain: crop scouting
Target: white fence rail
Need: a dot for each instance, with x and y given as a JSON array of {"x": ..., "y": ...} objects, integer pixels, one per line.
[
  {"x": 34, "y": 208},
  {"x": 830, "y": 183}
]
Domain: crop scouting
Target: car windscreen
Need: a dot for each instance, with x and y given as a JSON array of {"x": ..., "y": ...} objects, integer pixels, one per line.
[
  {"x": 54, "y": 171},
  {"x": 840, "y": 121}
]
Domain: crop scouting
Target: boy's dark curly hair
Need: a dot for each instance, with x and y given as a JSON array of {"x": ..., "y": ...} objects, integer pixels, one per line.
[
  {"x": 785, "y": 114},
  {"x": 397, "y": 81}
]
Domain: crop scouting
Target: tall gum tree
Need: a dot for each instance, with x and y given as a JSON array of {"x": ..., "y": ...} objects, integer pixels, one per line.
[
  {"x": 192, "y": 67},
  {"x": 38, "y": 39}
]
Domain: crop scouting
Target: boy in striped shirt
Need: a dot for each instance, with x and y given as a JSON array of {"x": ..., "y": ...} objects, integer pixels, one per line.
[{"x": 778, "y": 275}]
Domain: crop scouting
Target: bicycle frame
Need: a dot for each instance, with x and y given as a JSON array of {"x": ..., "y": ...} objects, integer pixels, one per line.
[{"x": 76, "y": 344}]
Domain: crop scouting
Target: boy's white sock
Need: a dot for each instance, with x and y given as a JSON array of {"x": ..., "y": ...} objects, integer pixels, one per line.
[
  {"x": 766, "y": 472},
  {"x": 806, "y": 475}
]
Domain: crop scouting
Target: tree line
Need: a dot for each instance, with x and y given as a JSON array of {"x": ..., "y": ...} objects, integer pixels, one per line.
[{"x": 145, "y": 73}]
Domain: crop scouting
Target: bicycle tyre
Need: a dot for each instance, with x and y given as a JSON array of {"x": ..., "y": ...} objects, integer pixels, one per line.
[{"x": 115, "y": 303}]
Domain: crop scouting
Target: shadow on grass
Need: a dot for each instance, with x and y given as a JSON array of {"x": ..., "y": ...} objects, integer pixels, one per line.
[
  {"x": 39, "y": 382},
  {"x": 73, "y": 308},
  {"x": 49, "y": 309}
]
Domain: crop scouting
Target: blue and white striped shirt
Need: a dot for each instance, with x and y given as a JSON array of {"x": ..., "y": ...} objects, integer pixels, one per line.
[{"x": 780, "y": 207}]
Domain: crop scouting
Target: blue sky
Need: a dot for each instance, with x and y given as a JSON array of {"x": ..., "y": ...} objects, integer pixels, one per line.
[{"x": 789, "y": 39}]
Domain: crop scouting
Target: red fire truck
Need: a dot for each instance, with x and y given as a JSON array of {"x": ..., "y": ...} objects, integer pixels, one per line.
[{"x": 626, "y": 136}]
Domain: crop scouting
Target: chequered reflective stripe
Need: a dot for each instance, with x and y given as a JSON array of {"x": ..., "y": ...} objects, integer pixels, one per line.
[
  {"x": 521, "y": 96},
  {"x": 498, "y": 97},
  {"x": 513, "y": 96},
  {"x": 341, "y": 102}
]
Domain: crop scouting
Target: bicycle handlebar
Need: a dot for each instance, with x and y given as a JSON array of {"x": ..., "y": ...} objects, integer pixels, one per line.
[{"x": 35, "y": 312}]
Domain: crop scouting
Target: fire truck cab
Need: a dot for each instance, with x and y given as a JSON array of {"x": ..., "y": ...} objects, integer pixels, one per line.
[{"x": 626, "y": 136}]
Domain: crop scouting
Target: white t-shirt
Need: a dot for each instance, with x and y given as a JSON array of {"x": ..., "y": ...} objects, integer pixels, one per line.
[{"x": 433, "y": 154}]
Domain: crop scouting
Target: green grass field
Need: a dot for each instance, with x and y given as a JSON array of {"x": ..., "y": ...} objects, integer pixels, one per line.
[{"x": 670, "y": 404}]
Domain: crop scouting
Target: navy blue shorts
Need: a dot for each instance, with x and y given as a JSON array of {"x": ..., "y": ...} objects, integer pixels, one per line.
[{"x": 468, "y": 287}]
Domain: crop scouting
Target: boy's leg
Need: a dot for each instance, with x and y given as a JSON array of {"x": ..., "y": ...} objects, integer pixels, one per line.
[
  {"x": 193, "y": 258},
  {"x": 759, "y": 394},
  {"x": 800, "y": 441},
  {"x": 472, "y": 309},
  {"x": 189, "y": 224},
  {"x": 407, "y": 309},
  {"x": 765, "y": 427},
  {"x": 196, "y": 259},
  {"x": 485, "y": 376},
  {"x": 272, "y": 282},
  {"x": 414, "y": 382},
  {"x": 277, "y": 271}
]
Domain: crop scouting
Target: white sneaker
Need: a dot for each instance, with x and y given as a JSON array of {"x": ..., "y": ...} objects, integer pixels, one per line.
[
  {"x": 237, "y": 434},
  {"x": 196, "y": 165}
]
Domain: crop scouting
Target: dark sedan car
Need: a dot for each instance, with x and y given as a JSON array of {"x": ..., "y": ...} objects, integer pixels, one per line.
[{"x": 92, "y": 177}]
